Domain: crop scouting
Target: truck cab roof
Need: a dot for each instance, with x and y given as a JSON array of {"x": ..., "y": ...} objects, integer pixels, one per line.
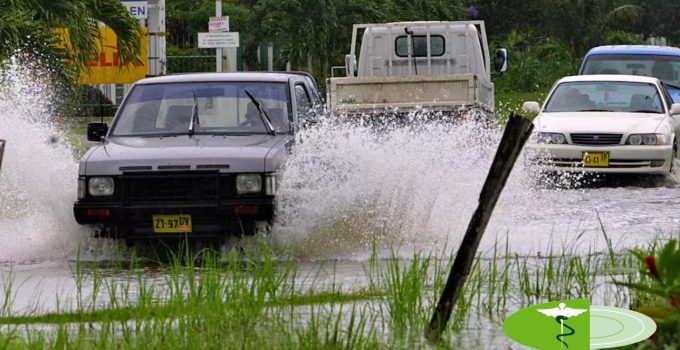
[{"x": 241, "y": 76}]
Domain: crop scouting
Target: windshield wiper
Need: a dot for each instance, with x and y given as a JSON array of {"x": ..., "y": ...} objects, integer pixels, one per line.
[
  {"x": 594, "y": 110},
  {"x": 263, "y": 114},
  {"x": 194, "y": 115}
]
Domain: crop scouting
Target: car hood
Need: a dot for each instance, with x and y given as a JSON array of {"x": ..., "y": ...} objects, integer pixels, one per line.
[
  {"x": 598, "y": 122},
  {"x": 252, "y": 153}
]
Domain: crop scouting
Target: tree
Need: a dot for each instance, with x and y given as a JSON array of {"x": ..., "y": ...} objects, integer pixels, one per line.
[
  {"x": 31, "y": 25},
  {"x": 660, "y": 18}
]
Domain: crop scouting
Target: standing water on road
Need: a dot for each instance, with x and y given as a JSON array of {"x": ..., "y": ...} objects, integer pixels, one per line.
[
  {"x": 39, "y": 172},
  {"x": 348, "y": 190}
]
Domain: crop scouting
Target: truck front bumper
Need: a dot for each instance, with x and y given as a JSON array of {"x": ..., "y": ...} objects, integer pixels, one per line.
[{"x": 210, "y": 220}]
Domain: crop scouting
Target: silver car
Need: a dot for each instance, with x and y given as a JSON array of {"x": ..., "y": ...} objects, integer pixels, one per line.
[{"x": 193, "y": 156}]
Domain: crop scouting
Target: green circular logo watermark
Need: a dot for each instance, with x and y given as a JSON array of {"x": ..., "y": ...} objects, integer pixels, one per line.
[{"x": 575, "y": 324}]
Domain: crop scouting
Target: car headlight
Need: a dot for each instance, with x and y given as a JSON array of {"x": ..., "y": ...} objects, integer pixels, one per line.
[
  {"x": 100, "y": 186},
  {"x": 646, "y": 139},
  {"x": 551, "y": 137},
  {"x": 248, "y": 183}
]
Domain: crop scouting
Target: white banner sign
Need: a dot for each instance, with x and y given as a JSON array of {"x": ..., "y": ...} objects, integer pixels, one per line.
[
  {"x": 217, "y": 40},
  {"x": 138, "y": 9},
  {"x": 218, "y": 24}
]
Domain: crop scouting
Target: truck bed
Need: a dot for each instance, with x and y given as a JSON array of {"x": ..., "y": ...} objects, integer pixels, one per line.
[{"x": 353, "y": 95}]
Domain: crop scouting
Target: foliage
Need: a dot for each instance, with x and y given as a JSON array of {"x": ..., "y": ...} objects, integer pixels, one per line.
[
  {"x": 92, "y": 102},
  {"x": 547, "y": 39},
  {"x": 23, "y": 20},
  {"x": 659, "y": 18},
  {"x": 534, "y": 64},
  {"x": 251, "y": 298},
  {"x": 31, "y": 33},
  {"x": 663, "y": 282}
]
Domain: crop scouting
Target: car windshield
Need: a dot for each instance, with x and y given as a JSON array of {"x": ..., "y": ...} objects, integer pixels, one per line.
[
  {"x": 605, "y": 96},
  {"x": 666, "y": 68},
  {"x": 222, "y": 108}
]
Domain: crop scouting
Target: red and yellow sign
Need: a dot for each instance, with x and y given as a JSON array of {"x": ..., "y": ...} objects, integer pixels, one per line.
[{"x": 106, "y": 69}]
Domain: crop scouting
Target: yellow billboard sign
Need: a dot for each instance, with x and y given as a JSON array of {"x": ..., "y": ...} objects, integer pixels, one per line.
[{"x": 105, "y": 67}]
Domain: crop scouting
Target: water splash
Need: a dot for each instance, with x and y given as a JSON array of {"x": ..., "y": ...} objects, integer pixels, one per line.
[
  {"x": 39, "y": 171},
  {"x": 351, "y": 188}
]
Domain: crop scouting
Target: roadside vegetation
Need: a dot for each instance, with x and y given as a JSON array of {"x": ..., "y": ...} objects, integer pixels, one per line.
[
  {"x": 242, "y": 299},
  {"x": 545, "y": 39}
]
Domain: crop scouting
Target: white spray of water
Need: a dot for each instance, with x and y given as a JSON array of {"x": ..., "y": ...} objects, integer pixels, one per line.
[
  {"x": 348, "y": 189},
  {"x": 39, "y": 172}
]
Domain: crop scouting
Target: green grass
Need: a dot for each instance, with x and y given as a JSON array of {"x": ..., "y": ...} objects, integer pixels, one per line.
[
  {"x": 511, "y": 102},
  {"x": 243, "y": 300}
]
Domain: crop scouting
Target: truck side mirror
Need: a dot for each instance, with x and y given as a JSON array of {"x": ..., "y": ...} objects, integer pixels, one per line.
[
  {"x": 351, "y": 65},
  {"x": 97, "y": 131},
  {"x": 501, "y": 60}
]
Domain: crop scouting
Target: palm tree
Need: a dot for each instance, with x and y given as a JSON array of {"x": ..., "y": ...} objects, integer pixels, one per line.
[{"x": 33, "y": 24}]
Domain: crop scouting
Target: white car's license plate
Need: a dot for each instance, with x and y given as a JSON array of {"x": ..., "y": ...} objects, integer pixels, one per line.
[{"x": 595, "y": 159}]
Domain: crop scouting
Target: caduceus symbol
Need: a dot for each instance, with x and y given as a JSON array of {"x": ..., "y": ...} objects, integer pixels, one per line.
[{"x": 561, "y": 314}]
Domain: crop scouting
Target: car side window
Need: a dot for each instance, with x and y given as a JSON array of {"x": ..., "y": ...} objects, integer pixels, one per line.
[{"x": 302, "y": 98}]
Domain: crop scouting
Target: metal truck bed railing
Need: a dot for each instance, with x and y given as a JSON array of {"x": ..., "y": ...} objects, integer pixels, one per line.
[{"x": 394, "y": 28}]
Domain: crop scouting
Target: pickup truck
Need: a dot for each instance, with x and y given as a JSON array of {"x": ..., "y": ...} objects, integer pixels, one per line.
[
  {"x": 662, "y": 62},
  {"x": 192, "y": 156},
  {"x": 406, "y": 66}
]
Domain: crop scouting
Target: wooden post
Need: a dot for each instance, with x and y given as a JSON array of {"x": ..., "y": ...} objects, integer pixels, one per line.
[
  {"x": 516, "y": 133},
  {"x": 2, "y": 151}
]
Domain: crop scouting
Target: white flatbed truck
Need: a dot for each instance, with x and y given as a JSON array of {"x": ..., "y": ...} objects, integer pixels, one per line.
[{"x": 410, "y": 66}]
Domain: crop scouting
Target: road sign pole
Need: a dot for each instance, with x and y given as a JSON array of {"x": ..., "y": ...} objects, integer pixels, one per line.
[{"x": 218, "y": 51}]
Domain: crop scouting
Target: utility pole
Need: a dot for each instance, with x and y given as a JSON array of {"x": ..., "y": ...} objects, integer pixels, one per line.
[
  {"x": 218, "y": 51},
  {"x": 157, "y": 38}
]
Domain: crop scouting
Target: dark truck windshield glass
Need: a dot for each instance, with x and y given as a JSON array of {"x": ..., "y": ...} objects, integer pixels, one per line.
[
  {"x": 437, "y": 45},
  {"x": 605, "y": 96},
  {"x": 666, "y": 68},
  {"x": 223, "y": 107}
]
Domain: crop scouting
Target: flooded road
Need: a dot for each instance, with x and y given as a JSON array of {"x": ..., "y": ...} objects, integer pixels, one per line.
[{"x": 347, "y": 192}]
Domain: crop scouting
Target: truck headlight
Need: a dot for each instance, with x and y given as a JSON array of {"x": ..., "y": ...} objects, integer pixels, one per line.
[
  {"x": 82, "y": 188},
  {"x": 100, "y": 186},
  {"x": 646, "y": 139},
  {"x": 248, "y": 183}
]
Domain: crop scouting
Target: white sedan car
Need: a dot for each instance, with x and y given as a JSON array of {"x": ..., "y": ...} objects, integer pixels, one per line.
[{"x": 607, "y": 124}]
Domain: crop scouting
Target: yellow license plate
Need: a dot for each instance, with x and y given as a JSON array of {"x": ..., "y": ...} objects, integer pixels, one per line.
[
  {"x": 595, "y": 159},
  {"x": 171, "y": 223}
]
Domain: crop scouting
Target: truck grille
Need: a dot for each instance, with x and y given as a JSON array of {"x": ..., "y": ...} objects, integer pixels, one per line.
[
  {"x": 596, "y": 139},
  {"x": 171, "y": 187}
]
